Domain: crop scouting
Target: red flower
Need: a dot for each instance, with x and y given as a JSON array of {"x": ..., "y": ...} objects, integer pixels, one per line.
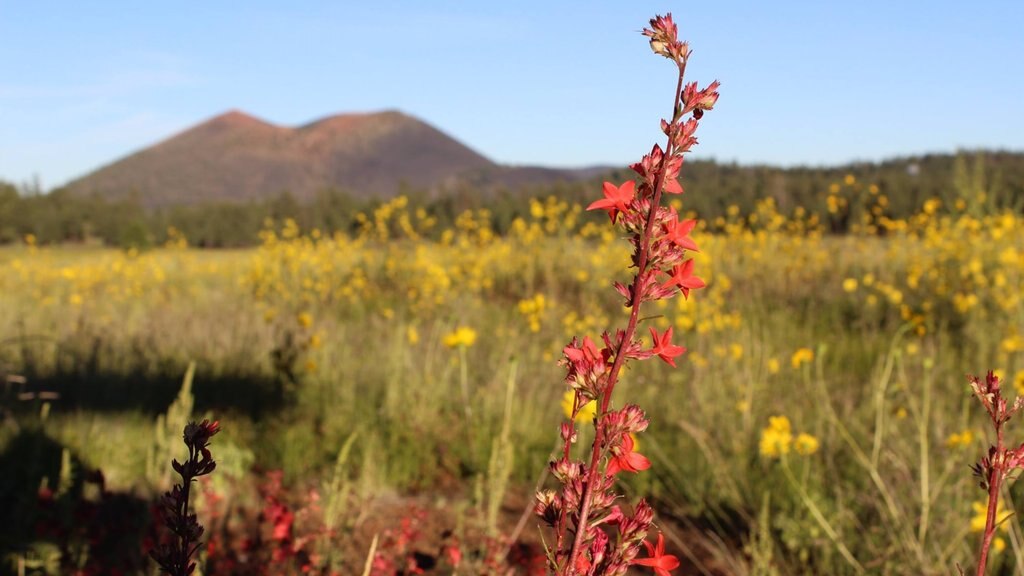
[
  {"x": 672, "y": 167},
  {"x": 682, "y": 276},
  {"x": 616, "y": 198},
  {"x": 586, "y": 353},
  {"x": 678, "y": 232},
  {"x": 623, "y": 458},
  {"x": 661, "y": 562},
  {"x": 664, "y": 347}
]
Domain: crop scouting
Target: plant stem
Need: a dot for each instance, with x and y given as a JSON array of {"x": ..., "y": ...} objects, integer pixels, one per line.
[
  {"x": 186, "y": 485},
  {"x": 634, "y": 315},
  {"x": 995, "y": 476}
]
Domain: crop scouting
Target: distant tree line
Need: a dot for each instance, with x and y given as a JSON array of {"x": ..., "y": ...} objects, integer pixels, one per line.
[{"x": 992, "y": 180}]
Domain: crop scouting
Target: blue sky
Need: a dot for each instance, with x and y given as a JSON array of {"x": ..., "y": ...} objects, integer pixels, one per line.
[{"x": 551, "y": 83}]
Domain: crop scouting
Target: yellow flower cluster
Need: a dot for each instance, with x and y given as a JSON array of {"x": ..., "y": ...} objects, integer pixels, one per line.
[
  {"x": 980, "y": 517},
  {"x": 960, "y": 440},
  {"x": 777, "y": 439},
  {"x": 533, "y": 309}
]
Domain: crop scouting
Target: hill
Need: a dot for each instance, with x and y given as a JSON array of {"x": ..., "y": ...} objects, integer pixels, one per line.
[{"x": 235, "y": 157}]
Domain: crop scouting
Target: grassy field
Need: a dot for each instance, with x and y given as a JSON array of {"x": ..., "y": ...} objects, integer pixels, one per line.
[{"x": 820, "y": 423}]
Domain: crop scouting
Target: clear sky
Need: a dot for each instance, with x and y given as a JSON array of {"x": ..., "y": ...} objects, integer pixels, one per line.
[{"x": 526, "y": 82}]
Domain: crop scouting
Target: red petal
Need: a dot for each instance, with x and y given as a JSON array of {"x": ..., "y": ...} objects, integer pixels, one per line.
[{"x": 672, "y": 186}]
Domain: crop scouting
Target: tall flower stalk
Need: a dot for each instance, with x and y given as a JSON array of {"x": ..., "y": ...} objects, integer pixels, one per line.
[
  {"x": 175, "y": 557},
  {"x": 993, "y": 469},
  {"x": 593, "y": 535}
]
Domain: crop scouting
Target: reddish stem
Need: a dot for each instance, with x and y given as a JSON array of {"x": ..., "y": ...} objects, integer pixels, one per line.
[
  {"x": 634, "y": 315},
  {"x": 994, "y": 481}
]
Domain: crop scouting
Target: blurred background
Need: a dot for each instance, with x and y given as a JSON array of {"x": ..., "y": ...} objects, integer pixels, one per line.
[{"x": 355, "y": 236}]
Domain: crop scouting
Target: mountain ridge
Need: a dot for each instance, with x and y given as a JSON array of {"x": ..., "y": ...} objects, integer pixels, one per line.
[{"x": 238, "y": 157}]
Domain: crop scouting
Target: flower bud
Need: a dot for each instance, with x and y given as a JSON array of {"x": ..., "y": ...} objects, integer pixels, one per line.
[{"x": 568, "y": 433}]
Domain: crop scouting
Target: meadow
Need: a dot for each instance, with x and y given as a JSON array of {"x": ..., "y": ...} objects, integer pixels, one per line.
[{"x": 395, "y": 394}]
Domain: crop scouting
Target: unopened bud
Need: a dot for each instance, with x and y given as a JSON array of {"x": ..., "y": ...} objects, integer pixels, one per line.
[{"x": 568, "y": 433}]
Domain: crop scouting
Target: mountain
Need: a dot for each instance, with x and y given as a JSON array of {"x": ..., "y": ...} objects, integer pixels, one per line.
[{"x": 235, "y": 157}]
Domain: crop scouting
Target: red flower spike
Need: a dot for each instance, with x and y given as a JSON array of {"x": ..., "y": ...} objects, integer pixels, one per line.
[
  {"x": 623, "y": 458},
  {"x": 682, "y": 276},
  {"x": 662, "y": 563},
  {"x": 616, "y": 199},
  {"x": 664, "y": 347}
]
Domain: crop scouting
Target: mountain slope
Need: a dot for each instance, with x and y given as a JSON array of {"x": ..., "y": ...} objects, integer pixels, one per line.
[{"x": 235, "y": 157}]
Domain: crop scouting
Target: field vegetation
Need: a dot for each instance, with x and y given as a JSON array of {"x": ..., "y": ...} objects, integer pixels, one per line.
[{"x": 397, "y": 387}]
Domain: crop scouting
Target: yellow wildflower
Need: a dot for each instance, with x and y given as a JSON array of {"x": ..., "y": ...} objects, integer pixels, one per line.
[
  {"x": 998, "y": 544},
  {"x": 773, "y": 366},
  {"x": 776, "y": 438},
  {"x": 305, "y": 319},
  {"x": 412, "y": 335},
  {"x": 980, "y": 508},
  {"x": 801, "y": 357},
  {"x": 316, "y": 340},
  {"x": 462, "y": 336},
  {"x": 960, "y": 440},
  {"x": 850, "y": 285},
  {"x": 736, "y": 351},
  {"x": 806, "y": 444}
]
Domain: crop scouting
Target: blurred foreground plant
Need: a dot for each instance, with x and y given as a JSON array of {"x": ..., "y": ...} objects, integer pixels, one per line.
[
  {"x": 996, "y": 467},
  {"x": 604, "y": 539},
  {"x": 175, "y": 557}
]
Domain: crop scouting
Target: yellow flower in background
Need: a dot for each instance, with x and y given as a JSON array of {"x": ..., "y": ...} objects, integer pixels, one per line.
[
  {"x": 806, "y": 444},
  {"x": 998, "y": 544},
  {"x": 801, "y": 357},
  {"x": 412, "y": 335},
  {"x": 736, "y": 351},
  {"x": 463, "y": 336},
  {"x": 773, "y": 366},
  {"x": 980, "y": 508},
  {"x": 586, "y": 413},
  {"x": 316, "y": 340},
  {"x": 776, "y": 438},
  {"x": 850, "y": 285},
  {"x": 1018, "y": 382},
  {"x": 305, "y": 319},
  {"x": 961, "y": 440}
]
